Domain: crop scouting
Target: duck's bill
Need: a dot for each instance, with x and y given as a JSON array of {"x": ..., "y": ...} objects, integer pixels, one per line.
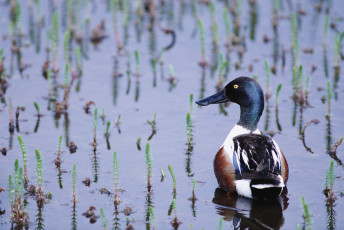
[{"x": 217, "y": 98}]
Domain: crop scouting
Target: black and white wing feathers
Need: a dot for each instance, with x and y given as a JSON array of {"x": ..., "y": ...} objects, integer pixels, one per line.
[{"x": 256, "y": 156}]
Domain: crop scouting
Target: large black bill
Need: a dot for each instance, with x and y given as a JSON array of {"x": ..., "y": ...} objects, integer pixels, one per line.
[{"x": 217, "y": 98}]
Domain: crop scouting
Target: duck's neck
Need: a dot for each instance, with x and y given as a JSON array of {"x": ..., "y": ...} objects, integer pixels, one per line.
[{"x": 250, "y": 115}]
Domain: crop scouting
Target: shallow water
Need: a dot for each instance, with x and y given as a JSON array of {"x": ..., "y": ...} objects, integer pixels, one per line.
[{"x": 168, "y": 146}]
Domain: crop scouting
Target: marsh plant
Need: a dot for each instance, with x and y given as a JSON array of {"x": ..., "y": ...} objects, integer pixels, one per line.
[
  {"x": 95, "y": 123},
  {"x": 107, "y": 133},
  {"x": 23, "y": 149},
  {"x": 19, "y": 213},
  {"x": 277, "y": 94},
  {"x": 149, "y": 167},
  {"x": 267, "y": 74},
  {"x": 203, "y": 61},
  {"x": 151, "y": 211},
  {"x": 153, "y": 125},
  {"x": 58, "y": 157},
  {"x": 116, "y": 200},
  {"x": 74, "y": 183},
  {"x": 38, "y": 110},
  {"x": 329, "y": 191},
  {"x": 39, "y": 196},
  {"x": 306, "y": 215},
  {"x": 329, "y": 97},
  {"x": 11, "y": 124},
  {"x": 104, "y": 221},
  {"x": 175, "y": 222},
  {"x": 174, "y": 181}
]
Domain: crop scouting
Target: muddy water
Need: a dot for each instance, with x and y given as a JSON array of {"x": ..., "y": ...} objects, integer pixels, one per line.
[{"x": 148, "y": 95}]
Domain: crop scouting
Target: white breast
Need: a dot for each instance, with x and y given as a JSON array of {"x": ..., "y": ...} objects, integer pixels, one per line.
[{"x": 237, "y": 130}]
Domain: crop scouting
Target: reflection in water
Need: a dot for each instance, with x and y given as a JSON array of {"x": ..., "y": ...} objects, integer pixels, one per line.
[
  {"x": 279, "y": 127},
  {"x": 325, "y": 62},
  {"x": 214, "y": 59},
  {"x": 137, "y": 89},
  {"x": 253, "y": 19},
  {"x": 39, "y": 217},
  {"x": 95, "y": 165},
  {"x": 328, "y": 133},
  {"x": 66, "y": 127},
  {"x": 37, "y": 124},
  {"x": 267, "y": 118},
  {"x": 331, "y": 215},
  {"x": 74, "y": 215},
  {"x": 301, "y": 120},
  {"x": 335, "y": 81},
  {"x": 189, "y": 145},
  {"x": 202, "y": 84},
  {"x": 116, "y": 221},
  {"x": 245, "y": 213}
]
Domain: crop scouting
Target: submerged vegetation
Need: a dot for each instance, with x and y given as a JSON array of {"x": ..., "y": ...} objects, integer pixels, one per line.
[{"x": 141, "y": 63}]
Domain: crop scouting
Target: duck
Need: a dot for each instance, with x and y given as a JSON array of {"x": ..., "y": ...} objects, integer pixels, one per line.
[{"x": 248, "y": 163}]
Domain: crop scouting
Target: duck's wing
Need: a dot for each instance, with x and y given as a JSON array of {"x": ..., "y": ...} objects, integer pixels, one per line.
[{"x": 256, "y": 157}]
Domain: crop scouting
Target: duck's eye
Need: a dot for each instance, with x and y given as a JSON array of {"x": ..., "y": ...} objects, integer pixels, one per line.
[{"x": 236, "y": 86}]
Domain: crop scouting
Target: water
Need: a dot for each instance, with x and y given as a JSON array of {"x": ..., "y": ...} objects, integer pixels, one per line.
[{"x": 168, "y": 146}]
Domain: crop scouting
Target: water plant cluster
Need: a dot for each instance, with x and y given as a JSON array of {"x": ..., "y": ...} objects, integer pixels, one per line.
[{"x": 100, "y": 96}]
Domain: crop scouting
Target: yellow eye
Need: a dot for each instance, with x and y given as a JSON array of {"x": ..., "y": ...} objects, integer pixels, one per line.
[{"x": 236, "y": 86}]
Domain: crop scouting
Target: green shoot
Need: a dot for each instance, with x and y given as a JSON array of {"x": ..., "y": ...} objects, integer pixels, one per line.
[
  {"x": 55, "y": 38},
  {"x": 220, "y": 223},
  {"x": 151, "y": 211},
  {"x": 201, "y": 30},
  {"x": 37, "y": 108},
  {"x": 115, "y": 170},
  {"x": 95, "y": 127},
  {"x": 60, "y": 143},
  {"x": 277, "y": 94},
  {"x": 138, "y": 142},
  {"x": 162, "y": 174},
  {"x": 118, "y": 122},
  {"x": 295, "y": 44},
  {"x": 301, "y": 85},
  {"x": 74, "y": 182},
  {"x": 325, "y": 30},
  {"x": 66, "y": 79},
  {"x": 174, "y": 179},
  {"x": 103, "y": 218},
  {"x": 66, "y": 46},
  {"x": 149, "y": 165},
  {"x": 23, "y": 149},
  {"x": 330, "y": 177},
  {"x": 223, "y": 65},
  {"x": 189, "y": 128},
  {"x": 267, "y": 72},
  {"x": 137, "y": 60},
  {"x": 49, "y": 82},
  {"x": 40, "y": 196},
  {"x": 227, "y": 26},
  {"x": 191, "y": 102},
  {"x": 306, "y": 215},
  {"x": 108, "y": 123},
  {"x": 193, "y": 197},
  {"x": 10, "y": 190},
  {"x": 329, "y": 96},
  {"x": 153, "y": 123},
  {"x": 154, "y": 61},
  {"x": 170, "y": 67},
  {"x": 78, "y": 58}
]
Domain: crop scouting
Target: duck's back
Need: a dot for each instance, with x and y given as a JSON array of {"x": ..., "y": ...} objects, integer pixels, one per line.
[{"x": 252, "y": 165}]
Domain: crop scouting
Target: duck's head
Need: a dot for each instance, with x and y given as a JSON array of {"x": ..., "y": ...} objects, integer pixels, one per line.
[{"x": 247, "y": 93}]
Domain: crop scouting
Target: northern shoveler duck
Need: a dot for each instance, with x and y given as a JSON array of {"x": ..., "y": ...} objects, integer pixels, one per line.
[{"x": 248, "y": 163}]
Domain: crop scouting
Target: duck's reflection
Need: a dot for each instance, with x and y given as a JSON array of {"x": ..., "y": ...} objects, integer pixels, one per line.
[{"x": 247, "y": 213}]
